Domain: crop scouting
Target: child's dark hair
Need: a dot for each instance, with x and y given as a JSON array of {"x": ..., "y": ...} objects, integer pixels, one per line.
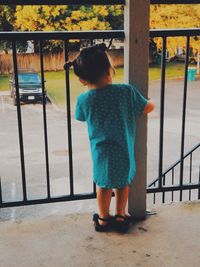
[{"x": 91, "y": 64}]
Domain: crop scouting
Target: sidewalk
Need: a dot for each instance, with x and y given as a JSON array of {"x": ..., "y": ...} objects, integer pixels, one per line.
[{"x": 169, "y": 238}]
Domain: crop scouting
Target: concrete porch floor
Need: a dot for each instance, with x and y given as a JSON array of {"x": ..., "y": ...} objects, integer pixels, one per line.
[{"x": 169, "y": 238}]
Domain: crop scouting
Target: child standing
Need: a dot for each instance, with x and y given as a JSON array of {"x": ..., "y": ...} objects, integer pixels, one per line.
[{"x": 109, "y": 110}]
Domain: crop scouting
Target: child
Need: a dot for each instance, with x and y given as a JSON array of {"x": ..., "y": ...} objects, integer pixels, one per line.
[{"x": 110, "y": 111}]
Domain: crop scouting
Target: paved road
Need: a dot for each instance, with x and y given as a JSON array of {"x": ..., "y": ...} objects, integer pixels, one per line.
[{"x": 58, "y": 144}]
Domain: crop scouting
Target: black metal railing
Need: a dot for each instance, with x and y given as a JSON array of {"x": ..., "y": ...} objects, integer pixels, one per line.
[
  {"x": 158, "y": 185},
  {"x": 65, "y": 37},
  {"x": 40, "y": 37},
  {"x": 175, "y": 184}
]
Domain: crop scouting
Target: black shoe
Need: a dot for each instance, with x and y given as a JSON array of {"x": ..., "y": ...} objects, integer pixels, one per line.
[
  {"x": 122, "y": 226},
  {"x": 129, "y": 218},
  {"x": 99, "y": 227}
]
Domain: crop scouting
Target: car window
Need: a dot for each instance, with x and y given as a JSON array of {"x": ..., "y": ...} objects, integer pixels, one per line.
[{"x": 28, "y": 77}]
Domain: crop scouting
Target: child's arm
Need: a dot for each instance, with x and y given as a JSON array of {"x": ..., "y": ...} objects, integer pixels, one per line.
[
  {"x": 141, "y": 105},
  {"x": 149, "y": 107}
]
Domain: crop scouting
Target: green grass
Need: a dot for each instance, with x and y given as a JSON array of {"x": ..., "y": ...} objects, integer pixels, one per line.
[
  {"x": 56, "y": 86},
  {"x": 172, "y": 71},
  {"x": 55, "y": 82},
  {"x": 4, "y": 82}
]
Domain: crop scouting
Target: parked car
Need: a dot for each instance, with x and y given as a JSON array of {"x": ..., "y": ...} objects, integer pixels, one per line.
[
  {"x": 30, "y": 86},
  {"x": 181, "y": 58}
]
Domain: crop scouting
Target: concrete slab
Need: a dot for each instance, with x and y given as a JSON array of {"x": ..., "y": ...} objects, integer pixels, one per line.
[{"x": 169, "y": 238}]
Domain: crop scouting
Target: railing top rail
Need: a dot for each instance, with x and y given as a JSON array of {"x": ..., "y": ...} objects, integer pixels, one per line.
[
  {"x": 61, "y": 35},
  {"x": 175, "y": 1},
  {"x": 90, "y": 2},
  {"x": 174, "y": 32},
  {"x": 62, "y": 2},
  {"x": 66, "y": 35}
]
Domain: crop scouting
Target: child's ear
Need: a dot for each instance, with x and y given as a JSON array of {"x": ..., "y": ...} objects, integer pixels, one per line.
[{"x": 83, "y": 82}]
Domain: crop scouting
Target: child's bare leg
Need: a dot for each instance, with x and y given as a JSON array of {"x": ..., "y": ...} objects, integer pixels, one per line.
[
  {"x": 103, "y": 198},
  {"x": 121, "y": 198}
]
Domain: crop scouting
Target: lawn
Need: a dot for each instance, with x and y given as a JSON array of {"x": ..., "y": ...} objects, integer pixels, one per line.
[
  {"x": 4, "y": 81},
  {"x": 58, "y": 93},
  {"x": 55, "y": 82}
]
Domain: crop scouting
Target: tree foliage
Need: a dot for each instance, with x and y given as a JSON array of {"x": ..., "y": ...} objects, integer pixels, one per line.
[
  {"x": 7, "y": 20},
  {"x": 77, "y": 18},
  {"x": 49, "y": 18},
  {"x": 175, "y": 16},
  {"x": 67, "y": 18}
]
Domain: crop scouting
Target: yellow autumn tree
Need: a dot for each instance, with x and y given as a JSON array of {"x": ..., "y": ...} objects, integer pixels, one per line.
[
  {"x": 68, "y": 18},
  {"x": 77, "y": 18},
  {"x": 175, "y": 16},
  {"x": 50, "y": 18}
]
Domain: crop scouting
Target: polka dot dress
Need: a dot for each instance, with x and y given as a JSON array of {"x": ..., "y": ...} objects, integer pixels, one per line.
[{"x": 110, "y": 113}]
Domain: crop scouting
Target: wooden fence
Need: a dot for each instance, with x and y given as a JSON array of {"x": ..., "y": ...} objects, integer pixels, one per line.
[{"x": 52, "y": 62}]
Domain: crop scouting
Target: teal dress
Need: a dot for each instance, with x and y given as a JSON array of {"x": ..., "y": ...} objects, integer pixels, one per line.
[{"x": 110, "y": 113}]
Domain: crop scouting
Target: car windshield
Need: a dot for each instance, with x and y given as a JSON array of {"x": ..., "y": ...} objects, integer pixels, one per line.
[{"x": 28, "y": 78}]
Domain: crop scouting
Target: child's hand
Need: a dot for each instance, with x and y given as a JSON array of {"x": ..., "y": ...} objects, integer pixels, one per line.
[{"x": 149, "y": 107}]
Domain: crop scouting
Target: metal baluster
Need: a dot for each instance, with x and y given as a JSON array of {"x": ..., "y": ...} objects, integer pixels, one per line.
[
  {"x": 94, "y": 189},
  {"x": 0, "y": 192},
  {"x": 163, "y": 195},
  {"x": 172, "y": 183},
  {"x": 154, "y": 198},
  {"x": 68, "y": 106},
  {"x": 190, "y": 175},
  {"x": 162, "y": 102},
  {"x": 183, "y": 116},
  {"x": 19, "y": 120},
  {"x": 91, "y": 42},
  {"x": 154, "y": 195},
  {"x": 94, "y": 185},
  {"x": 199, "y": 184},
  {"x": 44, "y": 118}
]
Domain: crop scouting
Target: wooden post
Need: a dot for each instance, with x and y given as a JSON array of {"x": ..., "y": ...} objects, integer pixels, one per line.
[
  {"x": 136, "y": 71},
  {"x": 198, "y": 61}
]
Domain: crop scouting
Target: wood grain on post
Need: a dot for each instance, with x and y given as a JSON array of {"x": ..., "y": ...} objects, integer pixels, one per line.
[{"x": 136, "y": 72}]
